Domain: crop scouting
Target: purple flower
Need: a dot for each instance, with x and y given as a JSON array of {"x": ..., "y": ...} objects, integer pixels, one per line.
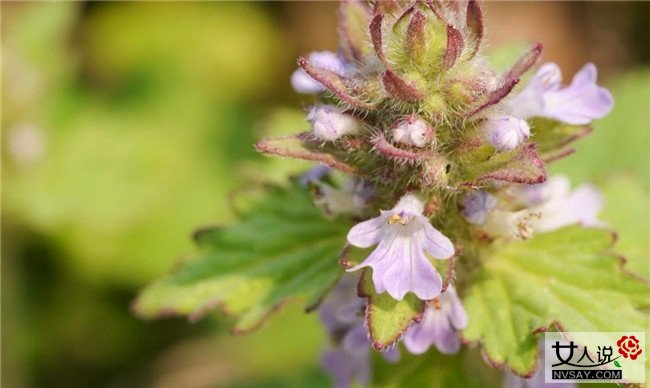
[
  {"x": 505, "y": 133},
  {"x": 315, "y": 174},
  {"x": 476, "y": 206},
  {"x": 559, "y": 206},
  {"x": 342, "y": 308},
  {"x": 330, "y": 123},
  {"x": 544, "y": 207},
  {"x": 579, "y": 103},
  {"x": 399, "y": 264},
  {"x": 412, "y": 131},
  {"x": 350, "y": 360},
  {"x": 303, "y": 83},
  {"x": 349, "y": 357},
  {"x": 443, "y": 317}
]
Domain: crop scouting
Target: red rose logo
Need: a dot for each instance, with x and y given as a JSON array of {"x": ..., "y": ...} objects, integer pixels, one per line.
[{"x": 629, "y": 347}]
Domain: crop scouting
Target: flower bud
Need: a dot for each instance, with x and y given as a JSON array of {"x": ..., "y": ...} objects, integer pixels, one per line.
[
  {"x": 505, "y": 133},
  {"x": 330, "y": 123},
  {"x": 413, "y": 131}
]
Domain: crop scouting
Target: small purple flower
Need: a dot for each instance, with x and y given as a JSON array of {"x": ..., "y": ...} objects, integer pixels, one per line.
[
  {"x": 579, "y": 103},
  {"x": 526, "y": 209},
  {"x": 476, "y": 206},
  {"x": 303, "y": 83},
  {"x": 330, "y": 123},
  {"x": 399, "y": 264},
  {"x": 342, "y": 308},
  {"x": 314, "y": 174},
  {"x": 350, "y": 360},
  {"x": 505, "y": 133},
  {"x": 412, "y": 131},
  {"x": 562, "y": 207},
  {"x": 349, "y": 357},
  {"x": 443, "y": 317}
]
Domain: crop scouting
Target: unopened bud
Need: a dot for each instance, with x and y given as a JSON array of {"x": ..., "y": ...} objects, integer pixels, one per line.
[
  {"x": 413, "y": 131},
  {"x": 505, "y": 133},
  {"x": 330, "y": 123}
]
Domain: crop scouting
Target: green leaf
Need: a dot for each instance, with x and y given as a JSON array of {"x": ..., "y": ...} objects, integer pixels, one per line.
[
  {"x": 627, "y": 209},
  {"x": 617, "y": 364},
  {"x": 563, "y": 278},
  {"x": 283, "y": 248},
  {"x": 387, "y": 318}
]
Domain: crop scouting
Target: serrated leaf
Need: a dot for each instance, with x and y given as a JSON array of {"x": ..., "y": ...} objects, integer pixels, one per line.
[
  {"x": 282, "y": 249},
  {"x": 563, "y": 278},
  {"x": 387, "y": 318}
]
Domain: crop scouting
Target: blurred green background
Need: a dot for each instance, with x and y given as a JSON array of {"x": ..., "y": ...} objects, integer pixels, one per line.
[{"x": 127, "y": 125}]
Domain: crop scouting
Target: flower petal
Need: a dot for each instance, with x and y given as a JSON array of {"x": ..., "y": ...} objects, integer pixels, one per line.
[
  {"x": 456, "y": 311},
  {"x": 444, "y": 336},
  {"x": 356, "y": 340},
  {"x": 586, "y": 202},
  {"x": 581, "y": 102},
  {"x": 419, "y": 337},
  {"x": 392, "y": 354},
  {"x": 379, "y": 260},
  {"x": 436, "y": 243},
  {"x": 411, "y": 271},
  {"x": 367, "y": 233},
  {"x": 344, "y": 367}
]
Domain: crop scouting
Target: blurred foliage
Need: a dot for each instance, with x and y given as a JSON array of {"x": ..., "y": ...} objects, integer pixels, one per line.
[
  {"x": 124, "y": 127},
  {"x": 145, "y": 128}
]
